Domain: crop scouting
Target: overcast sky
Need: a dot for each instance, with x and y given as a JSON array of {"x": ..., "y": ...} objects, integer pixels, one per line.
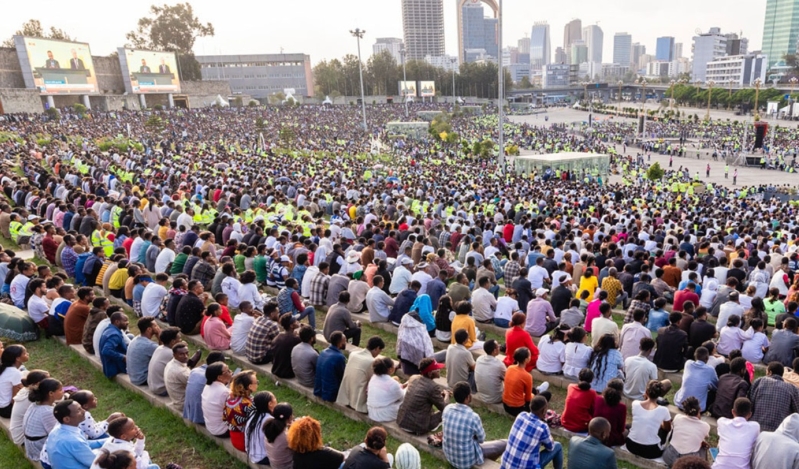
[{"x": 320, "y": 27}]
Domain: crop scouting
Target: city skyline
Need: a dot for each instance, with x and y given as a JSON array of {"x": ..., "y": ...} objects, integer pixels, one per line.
[{"x": 329, "y": 24}]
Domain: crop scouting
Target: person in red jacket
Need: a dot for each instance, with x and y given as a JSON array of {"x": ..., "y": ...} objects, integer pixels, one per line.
[
  {"x": 49, "y": 244},
  {"x": 687, "y": 294},
  {"x": 579, "y": 407},
  {"x": 517, "y": 337}
]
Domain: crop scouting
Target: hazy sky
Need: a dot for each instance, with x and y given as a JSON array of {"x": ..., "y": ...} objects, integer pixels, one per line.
[{"x": 320, "y": 28}]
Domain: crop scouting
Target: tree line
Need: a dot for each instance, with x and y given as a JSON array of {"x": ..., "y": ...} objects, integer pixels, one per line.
[{"x": 382, "y": 74}]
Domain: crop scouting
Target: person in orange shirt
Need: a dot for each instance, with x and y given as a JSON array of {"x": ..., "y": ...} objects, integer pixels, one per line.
[
  {"x": 519, "y": 390},
  {"x": 516, "y": 337},
  {"x": 672, "y": 274}
]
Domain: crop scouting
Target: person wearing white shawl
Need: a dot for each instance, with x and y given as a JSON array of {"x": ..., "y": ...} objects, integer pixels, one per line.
[{"x": 414, "y": 343}]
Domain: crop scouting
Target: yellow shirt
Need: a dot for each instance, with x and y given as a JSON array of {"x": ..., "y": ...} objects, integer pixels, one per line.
[
  {"x": 464, "y": 321},
  {"x": 589, "y": 284},
  {"x": 118, "y": 279}
]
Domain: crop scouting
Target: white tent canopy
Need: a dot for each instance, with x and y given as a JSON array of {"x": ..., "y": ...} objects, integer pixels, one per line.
[{"x": 221, "y": 102}]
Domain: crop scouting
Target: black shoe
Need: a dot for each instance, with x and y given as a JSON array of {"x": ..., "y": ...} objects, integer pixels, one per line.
[
  {"x": 663, "y": 401},
  {"x": 502, "y": 348}
]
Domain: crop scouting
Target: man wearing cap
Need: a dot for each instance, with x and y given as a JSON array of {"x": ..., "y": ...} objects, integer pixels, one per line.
[
  {"x": 421, "y": 396},
  {"x": 401, "y": 276},
  {"x": 540, "y": 315}
]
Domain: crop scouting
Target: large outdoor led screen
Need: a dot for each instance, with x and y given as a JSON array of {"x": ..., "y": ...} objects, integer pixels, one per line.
[
  {"x": 149, "y": 71},
  {"x": 407, "y": 87},
  {"x": 427, "y": 88},
  {"x": 56, "y": 67}
]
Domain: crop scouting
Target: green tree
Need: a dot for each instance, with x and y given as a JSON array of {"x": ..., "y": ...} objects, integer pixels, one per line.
[
  {"x": 172, "y": 28},
  {"x": 525, "y": 84},
  {"x": 655, "y": 172},
  {"x": 383, "y": 73},
  {"x": 34, "y": 28}
]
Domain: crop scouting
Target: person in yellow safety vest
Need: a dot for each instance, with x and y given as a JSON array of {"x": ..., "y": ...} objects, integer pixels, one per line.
[
  {"x": 116, "y": 213},
  {"x": 100, "y": 238},
  {"x": 26, "y": 231},
  {"x": 14, "y": 227}
]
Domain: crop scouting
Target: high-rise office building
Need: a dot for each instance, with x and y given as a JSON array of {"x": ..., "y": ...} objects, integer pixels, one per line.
[
  {"x": 579, "y": 52},
  {"x": 622, "y": 48},
  {"x": 461, "y": 10},
  {"x": 423, "y": 28},
  {"x": 524, "y": 45},
  {"x": 479, "y": 32},
  {"x": 780, "y": 29},
  {"x": 736, "y": 45},
  {"x": 707, "y": 48},
  {"x": 594, "y": 40},
  {"x": 540, "y": 46},
  {"x": 677, "y": 50},
  {"x": 636, "y": 52},
  {"x": 561, "y": 57},
  {"x": 573, "y": 31},
  {"x": 393, "y": 45},
  {"x": 664, "y": 50}
]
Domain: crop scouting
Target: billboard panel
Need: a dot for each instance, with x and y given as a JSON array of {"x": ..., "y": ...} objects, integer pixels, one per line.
[
  {"x": 56, "y": 67},
  {"x": 427, "y": 88},
  {"x": 410, "y": 86},
  {"x": 149, "y": 71}
]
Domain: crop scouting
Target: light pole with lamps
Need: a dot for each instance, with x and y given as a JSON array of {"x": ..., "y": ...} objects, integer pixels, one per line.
[
  {"x": 404, "y": 80},
  {"x": 793, "y": 81},
  {"x": 729, "y": 95},
  {"x": 757, "y": 84},
  {"x": 358, "y": 33},
  {"x": 672, "y": 83},
  {"x": 618, "y": 110},
  {"x": 453, "y": 61},
  {"x": 501, "y": 92},
  {"x": 642, "y": 82},
  {"x": 710, "y": 84}
]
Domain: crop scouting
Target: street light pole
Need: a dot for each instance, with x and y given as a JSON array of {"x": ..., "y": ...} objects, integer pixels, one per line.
[
  {"x": 642, "y": 81},
  {"x": 453, "y": 60},
  {"x": 793, "y": 82},
  {"x": 358, "y": 33},
  {"x": 758, "y": 82},
  {"x": 501, "y": 92},
  {"x": 404, "y": 81},
  {"x": 618, "y": 110}
]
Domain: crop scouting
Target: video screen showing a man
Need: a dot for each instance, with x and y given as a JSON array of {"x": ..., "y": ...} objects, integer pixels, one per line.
[
  {"x": 76, "y": 63},
  {"x": 144, "y": 67},
  {"x": 51, "y": 63},
  {"x": 164, "y": 68}
]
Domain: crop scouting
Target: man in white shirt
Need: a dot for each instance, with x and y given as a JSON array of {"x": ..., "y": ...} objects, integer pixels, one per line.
[
  {"x": 378, "y": 302},
  {"x": 538, "y": 275},
  {"x": 176, "y": 376},
  {"x": 422, "y": 277},
  {"x": 729, "y": 309},
  {"x": 165, "y": 257},
  {"x": 401, "y": 277},
  {"x": 231, "y": 285},
  {"x": 241, "y": 326},
  {"x": 632, "y": 333},
  {"x": 737, "y": 437},
  {"x": 639, "y": 371},
  {"x": 604, "y": 325},
  {"x": 38, "y": 308},
  {"x": 483, "y": 302},
  {"x": 186, "y": 219},
  {"x": 153, "y": 296}
]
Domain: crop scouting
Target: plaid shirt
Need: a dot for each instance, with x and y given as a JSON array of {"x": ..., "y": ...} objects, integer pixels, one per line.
[
  {"x": 772, "y": 400},
  {"x": 204, "y": 272},
  {"x": 512, "y": 269},
  {"x": 260, "y": 338},
  {"x": 463, "y": 433},
  {"x": 318, "y": 289},
  {"x": 526, "y": 437},
  {"x": 635, "y": 304}
]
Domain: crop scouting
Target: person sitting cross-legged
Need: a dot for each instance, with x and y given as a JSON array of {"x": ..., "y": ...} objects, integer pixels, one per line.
[
  {"x": 464, "y": 436},
  {"x": 529, "y": 433}
]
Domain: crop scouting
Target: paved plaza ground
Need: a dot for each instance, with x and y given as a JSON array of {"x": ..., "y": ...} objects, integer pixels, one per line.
[{"x": 747, "y": 176}]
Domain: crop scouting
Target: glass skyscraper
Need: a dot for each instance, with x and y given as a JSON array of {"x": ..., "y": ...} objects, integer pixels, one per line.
[{"x": 780, "y": 29}]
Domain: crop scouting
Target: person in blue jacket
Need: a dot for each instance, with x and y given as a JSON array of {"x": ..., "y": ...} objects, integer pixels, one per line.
[
  {"x": 330, "y": 368},
  {"x": 113, "y": 348}
]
